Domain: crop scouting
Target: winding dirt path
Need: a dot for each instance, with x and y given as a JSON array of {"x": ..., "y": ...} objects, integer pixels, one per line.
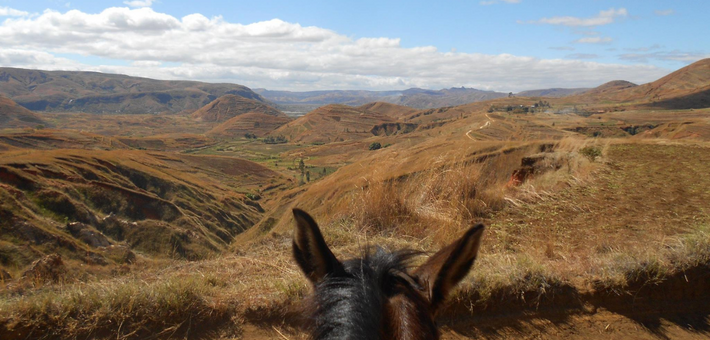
[{"x": 485, "y": 125}]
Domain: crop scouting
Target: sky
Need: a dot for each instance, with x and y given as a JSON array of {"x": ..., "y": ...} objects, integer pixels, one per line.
[{"x": 499, "y": 45}]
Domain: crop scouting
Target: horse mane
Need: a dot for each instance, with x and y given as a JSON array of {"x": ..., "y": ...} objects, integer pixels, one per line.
[{"x": 350, "y": 305}]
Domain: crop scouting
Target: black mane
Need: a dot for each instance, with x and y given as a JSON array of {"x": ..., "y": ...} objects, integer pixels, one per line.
[{"x": 350, "y": 304}]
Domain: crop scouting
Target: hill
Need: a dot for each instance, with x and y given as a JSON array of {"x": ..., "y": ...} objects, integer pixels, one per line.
[
  {"x": 230, "y": 106},
  {"x": 93, "y": 92},
  {"x": 16, "y": 116},
  {"x": 388, "y": 109},
  {"x": 255, "y": 123},
  {"x": 332, "y": 123},
  {"x": 686, "y": 88},
  {"x": 551, "y": 93}
]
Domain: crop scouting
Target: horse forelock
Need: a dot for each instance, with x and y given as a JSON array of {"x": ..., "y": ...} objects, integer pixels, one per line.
[{"x": 374, "y": 298}]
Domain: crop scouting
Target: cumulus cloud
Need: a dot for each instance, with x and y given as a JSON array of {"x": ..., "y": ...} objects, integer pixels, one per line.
[
  {"x": 11, "y": 12},
  {"x": 603, "y": 18},
  {"x": 278, "y": 55}
]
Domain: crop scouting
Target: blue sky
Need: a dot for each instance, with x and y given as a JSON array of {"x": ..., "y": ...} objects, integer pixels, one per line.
[{"x": 503, "y": 45}]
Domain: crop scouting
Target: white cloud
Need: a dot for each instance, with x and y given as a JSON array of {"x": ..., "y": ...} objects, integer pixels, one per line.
[
  {"x": 277, "y": 55},
  {"x": 594, "y": 40},
  {"x": 139, "y": 3},
  {"x": 492, "y": 2},
  {"x": 603, "y": 18},
  {"x": 664, "y": 12},
  {"x": 11, "y": 12}
]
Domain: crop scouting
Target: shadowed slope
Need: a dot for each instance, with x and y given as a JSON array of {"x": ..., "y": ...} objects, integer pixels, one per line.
[{"x": 16, "y": 116}]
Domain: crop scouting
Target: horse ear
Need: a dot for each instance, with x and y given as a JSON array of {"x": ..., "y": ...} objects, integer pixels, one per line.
[
  {"x": 445, "y": 269},
  {"x": 310, "y": 251}
]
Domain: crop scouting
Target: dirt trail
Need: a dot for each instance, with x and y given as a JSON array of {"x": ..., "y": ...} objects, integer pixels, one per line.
[{"x": 485, "y": 125}]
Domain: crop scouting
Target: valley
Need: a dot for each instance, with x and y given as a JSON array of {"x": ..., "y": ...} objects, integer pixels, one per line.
[{"x": 135, "y": 208}]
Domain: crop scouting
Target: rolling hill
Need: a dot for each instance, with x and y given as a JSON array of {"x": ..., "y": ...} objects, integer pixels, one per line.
[
  {"x": 255, "y": 123},
  {"x": 332, "y": 123},
  {"x": 93, "y": 92},
  {"x": 230, "y": 106},
  {"x": 391, "y": 110},
  {"x": 16, "y": 116}
]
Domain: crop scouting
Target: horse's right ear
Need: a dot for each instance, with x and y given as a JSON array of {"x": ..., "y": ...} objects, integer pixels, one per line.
[
  {"x": 310, "y": 251},
  {"x": 445, "y": 269}
]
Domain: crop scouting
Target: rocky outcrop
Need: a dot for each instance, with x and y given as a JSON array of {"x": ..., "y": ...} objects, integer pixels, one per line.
[{"x": 49, "y": 269}]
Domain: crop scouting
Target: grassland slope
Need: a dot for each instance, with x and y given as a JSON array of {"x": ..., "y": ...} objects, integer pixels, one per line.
[{"x": 159, "y": 204}]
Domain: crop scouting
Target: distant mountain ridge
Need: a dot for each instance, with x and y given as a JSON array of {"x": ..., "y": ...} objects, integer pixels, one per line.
[
  {"x": 552, "y": 92},
  {"x": 414, "y": 97},
  {"x": 93, "y": 92}
]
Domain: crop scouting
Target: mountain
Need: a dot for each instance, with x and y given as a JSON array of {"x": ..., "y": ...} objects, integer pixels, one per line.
[
  {"x": 332, "y": 123},
  {"x": 416, "y": 98},
  {"x": 16, "y": 116},
  {"x": 551, "y": 93},
  {"x": 93, "y": 92},
  {"x": 230, "y": 106}
]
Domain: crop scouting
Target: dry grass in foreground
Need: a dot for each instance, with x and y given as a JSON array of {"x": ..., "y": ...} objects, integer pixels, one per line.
[{"x": 605, "y": 228}]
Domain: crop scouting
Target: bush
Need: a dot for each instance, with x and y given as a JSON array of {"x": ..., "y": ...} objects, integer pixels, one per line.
[
  {"x": 591, "y": 152},
  {"x": 375, "y": 146}
]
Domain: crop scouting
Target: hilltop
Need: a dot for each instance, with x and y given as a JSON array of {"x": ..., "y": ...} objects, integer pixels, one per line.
[
  {"x": 93, "y": 92},
  {"x": 230, "y": 106},
  {"x": 16, "y": 116}
]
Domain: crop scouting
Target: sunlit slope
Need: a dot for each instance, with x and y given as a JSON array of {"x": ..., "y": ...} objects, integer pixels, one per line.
[{"x": 159, "y": 204}]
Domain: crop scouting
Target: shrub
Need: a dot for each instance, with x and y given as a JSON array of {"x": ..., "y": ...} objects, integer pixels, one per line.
[
  {"x": 375, "y": 146},
  {"x": 591, "y": 152}
]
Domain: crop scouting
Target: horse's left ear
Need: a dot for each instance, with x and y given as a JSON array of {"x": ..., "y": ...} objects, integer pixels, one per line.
[
  {"x": 445, "y": 269},
  {"x": 310, "y": 250}
]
